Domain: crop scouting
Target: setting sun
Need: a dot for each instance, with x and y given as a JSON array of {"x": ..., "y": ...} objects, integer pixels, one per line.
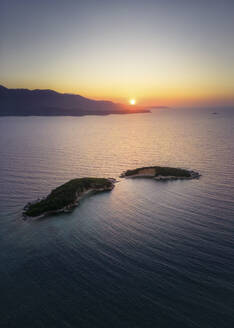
[{"x": 132, "y": 101}]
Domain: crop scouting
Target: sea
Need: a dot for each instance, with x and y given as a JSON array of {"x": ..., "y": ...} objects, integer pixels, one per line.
[{"x": 149, "y": 253}]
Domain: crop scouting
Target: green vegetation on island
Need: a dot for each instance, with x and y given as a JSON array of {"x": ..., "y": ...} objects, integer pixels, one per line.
[
  {"x": 67, "y": 196},
  {"x": 160, "y": 173}
]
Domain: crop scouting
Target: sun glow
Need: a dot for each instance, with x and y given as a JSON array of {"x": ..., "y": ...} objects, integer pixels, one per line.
[{"x": 132, "y": 102}]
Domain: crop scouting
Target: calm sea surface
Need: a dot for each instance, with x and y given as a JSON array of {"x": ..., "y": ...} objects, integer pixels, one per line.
[{"x": 148, "y": 254}]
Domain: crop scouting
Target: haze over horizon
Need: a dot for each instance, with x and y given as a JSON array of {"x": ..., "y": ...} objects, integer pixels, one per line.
[{"x": 172, "y": 53}]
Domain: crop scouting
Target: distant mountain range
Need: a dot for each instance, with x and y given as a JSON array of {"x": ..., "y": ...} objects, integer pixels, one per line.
[{"x": 24, "y": 102}]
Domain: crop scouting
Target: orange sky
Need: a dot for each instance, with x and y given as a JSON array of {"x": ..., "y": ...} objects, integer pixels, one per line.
[{"x": 178, "y": 53}]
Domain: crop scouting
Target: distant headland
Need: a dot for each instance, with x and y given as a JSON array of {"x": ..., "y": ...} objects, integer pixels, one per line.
[{"x": 25, "y": 102}]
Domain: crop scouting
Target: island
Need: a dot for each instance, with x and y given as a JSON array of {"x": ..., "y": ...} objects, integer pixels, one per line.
[
  {"x": 67, "y": 196},
  {"x": 160, "y": 173}
]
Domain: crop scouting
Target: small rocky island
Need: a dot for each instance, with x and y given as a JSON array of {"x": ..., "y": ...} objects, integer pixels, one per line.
[
  {"x": 67, "y": 196},
  {"x": 160, "y": 173}
]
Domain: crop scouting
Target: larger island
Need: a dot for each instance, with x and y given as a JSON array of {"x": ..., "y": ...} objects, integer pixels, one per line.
[{"x": 67, "y": 196}]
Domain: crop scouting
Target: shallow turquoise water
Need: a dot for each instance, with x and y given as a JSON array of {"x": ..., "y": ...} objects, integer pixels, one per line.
[{"x": 148, "y": 254}]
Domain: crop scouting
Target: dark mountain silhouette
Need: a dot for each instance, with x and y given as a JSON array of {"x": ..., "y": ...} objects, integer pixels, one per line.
[{"x": 23, "y": 102}]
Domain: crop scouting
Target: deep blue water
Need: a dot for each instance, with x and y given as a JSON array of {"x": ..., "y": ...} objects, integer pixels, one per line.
[{"x": 148, "y": 254}]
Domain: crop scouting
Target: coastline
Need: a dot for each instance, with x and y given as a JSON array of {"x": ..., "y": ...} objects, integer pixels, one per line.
[{"x": 79, "y": 114}]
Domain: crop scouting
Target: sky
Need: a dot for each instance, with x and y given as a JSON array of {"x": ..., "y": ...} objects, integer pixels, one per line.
[{"x": 161, "y": 52}]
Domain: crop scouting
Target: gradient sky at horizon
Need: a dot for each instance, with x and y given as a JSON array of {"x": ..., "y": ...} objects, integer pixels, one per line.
[{"x": 165, "y": 52}]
